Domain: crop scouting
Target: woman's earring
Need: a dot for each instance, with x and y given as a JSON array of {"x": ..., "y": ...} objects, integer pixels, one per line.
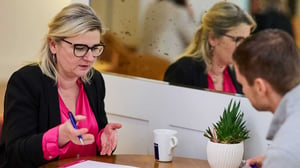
[
  {"x": 54, "y": 58},
  {"x": 211, "y": 49}
]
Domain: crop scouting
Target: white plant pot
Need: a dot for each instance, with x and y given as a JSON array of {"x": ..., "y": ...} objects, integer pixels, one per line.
[{"x": 224, "y": 155}]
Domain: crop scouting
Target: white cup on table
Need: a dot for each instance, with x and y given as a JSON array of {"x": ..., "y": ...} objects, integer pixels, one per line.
[{"x": 164, "y": 143}]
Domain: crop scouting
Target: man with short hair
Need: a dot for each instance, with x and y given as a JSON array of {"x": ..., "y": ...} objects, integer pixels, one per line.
[{"x": 267, "y": 65}]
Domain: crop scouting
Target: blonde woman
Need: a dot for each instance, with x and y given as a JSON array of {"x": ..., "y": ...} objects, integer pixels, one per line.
[
  {"x": 39, "y": 97},
  {"x": 206, "y": 62}
]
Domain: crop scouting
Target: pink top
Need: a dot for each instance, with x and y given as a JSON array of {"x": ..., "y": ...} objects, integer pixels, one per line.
[
  {"x": 50, "y": 138},
  {"x": 227, "y": 83}
]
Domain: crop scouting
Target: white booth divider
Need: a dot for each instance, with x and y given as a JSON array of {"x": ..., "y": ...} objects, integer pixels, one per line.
[{"x": 142, "y": 105}]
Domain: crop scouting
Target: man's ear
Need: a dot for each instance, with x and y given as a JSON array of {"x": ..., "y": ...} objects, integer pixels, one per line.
[{"x": 260, "y": 86}]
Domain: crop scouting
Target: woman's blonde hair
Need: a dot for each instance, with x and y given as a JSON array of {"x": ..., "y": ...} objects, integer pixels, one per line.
[
  {"x": 71, "y": 21},
  {"x": 219, "y": 19}
]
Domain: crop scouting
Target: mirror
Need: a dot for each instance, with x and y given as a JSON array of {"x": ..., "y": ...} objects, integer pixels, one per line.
[{"x": 124, "y": 20}]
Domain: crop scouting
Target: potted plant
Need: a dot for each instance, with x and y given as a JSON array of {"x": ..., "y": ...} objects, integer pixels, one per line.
[{"x": 225, "y": 147}]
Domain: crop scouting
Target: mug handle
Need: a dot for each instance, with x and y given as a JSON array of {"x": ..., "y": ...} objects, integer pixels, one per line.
[{"x": 173, "y": 142}]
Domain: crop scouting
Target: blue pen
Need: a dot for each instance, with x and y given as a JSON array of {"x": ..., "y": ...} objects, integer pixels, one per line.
[
  {"x": 252, "y": 166},
  {"x": 74, "y": 125},
  {"x": 243, "y": 165}
]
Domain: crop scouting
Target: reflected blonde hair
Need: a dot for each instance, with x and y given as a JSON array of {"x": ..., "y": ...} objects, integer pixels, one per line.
[
  {"x": 73, "y": 20},
  {"x": 219, "y": 19}
]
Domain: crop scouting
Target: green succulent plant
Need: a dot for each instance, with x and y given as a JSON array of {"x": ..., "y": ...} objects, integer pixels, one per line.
[{"x": 231, "y": 128}]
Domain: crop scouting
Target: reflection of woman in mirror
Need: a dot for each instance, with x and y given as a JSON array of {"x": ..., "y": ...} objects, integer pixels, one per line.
[
  {"x": 168, "y": 28},
  {"x": 206, "y": 62}
]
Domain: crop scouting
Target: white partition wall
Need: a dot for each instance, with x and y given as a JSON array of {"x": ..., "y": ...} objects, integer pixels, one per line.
[{"x": 144, "y": 105}]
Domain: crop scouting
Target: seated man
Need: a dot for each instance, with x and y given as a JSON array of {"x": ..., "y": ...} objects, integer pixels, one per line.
[{"x": 267, "y": 65}]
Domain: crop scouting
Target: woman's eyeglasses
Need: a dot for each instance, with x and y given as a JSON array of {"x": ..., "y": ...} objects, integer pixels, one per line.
[
  {"x": 236, "y": 39},
  {"x": 80, "y": 50}
]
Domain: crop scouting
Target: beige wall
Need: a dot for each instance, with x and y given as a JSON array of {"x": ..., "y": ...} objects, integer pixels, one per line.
[{"x": 23, "y": 25}]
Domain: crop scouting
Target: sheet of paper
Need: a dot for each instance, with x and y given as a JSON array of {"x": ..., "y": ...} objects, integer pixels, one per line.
[{"x": 96, "y": 164}]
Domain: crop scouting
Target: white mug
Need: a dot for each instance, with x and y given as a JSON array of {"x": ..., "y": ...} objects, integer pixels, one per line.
[{"x": 164, "y": 144}]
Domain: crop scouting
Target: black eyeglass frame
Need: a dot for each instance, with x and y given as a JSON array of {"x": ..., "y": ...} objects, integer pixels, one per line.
[
  {"x": 88, "y": 48},
  {"x": 236, "y": 39}
]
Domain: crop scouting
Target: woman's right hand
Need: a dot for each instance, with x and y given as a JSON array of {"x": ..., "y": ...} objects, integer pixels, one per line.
[
  {"x": 67, "y": 132},
  {"x": 258, "y": 160}
]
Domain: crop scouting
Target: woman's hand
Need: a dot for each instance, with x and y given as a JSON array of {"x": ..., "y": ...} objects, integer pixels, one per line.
[
  {"x": 68, "y": 133},
  {"x": 258, "y": 160},
  {"x": 109, "y": 138}
]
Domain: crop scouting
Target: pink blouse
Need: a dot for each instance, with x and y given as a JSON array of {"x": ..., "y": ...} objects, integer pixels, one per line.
[
  {"x": 50, "y": 138},
  {"x": 227, "y": 83}
]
